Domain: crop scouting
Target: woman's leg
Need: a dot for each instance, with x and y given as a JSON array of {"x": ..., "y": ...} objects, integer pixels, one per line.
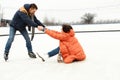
[
  {"x": 53, "y": 52},
  {"x": 69, "y": 59}
]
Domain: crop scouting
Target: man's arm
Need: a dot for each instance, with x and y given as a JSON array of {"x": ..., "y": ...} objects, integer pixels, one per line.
[
  {"x": 27, "y": 19},
  {"x": 38, "y": 22}
]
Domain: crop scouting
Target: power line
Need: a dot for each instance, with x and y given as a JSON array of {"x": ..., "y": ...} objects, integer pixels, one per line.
[{"x": 94, "y": 31}]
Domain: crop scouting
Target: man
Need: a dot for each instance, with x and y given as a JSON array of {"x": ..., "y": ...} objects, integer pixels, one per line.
[{"x": 22, "y": 18}]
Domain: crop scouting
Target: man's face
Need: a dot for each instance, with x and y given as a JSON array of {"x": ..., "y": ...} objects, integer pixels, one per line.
[{"x": 32, "y": 11}]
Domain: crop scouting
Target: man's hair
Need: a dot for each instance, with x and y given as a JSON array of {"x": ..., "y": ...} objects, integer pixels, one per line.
[
  {"x": 66, "y": 28},
  {"x": 34, "y": 6}
]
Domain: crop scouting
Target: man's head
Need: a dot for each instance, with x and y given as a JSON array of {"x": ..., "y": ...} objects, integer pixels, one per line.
[
  {"x": 32, "y": 9},
  {"x": 66, "y": 28}
]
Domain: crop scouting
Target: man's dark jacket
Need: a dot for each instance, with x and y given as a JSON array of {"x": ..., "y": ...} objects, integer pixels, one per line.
[{"x": 22, "y": 19}]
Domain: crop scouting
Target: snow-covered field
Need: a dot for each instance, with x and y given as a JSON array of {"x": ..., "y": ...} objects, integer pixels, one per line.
[{"x": 102, "y": 62}]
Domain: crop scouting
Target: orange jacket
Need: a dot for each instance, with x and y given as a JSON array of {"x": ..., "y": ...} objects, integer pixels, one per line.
[{"x": 69, "y": 45}]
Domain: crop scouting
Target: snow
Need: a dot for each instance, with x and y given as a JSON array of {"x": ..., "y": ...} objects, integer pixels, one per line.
[{"x": 101, "y": 48}]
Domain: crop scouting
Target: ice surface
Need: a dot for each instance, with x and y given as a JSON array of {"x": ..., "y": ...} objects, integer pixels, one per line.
[{"x": 102, "y": 62}]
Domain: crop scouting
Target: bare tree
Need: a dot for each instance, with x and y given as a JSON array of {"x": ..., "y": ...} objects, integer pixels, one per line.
[
  {"x": 88, "y": 18},
  {"x": 49, "y": 22}
]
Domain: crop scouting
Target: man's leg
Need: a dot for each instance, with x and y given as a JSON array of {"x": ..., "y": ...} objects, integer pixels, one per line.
[
  {"x": 9, "y": 42},
  {"x": 28, "y": 43},
  {"x": 53, "y": 52}
]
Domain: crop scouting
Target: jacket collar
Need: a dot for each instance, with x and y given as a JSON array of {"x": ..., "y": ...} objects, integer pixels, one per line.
[{"x": 22, "y": 9}]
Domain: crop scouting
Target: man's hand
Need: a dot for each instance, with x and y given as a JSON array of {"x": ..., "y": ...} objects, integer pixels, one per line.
[{"x": 40, "y": 28}]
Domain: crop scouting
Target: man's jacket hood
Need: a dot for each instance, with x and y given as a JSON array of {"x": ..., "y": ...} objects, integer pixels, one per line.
[{"x": 27, "y": 6}]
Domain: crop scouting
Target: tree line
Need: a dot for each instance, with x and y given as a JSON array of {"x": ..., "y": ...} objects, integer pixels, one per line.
[{"x": 87, "y": 18}]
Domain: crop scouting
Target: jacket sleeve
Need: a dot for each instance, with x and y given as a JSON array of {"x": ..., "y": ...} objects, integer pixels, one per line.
[
  {"x": 27, "y": 19},
  {"x": 56, "y": 34},
  {"x": 38, "y": 22}
]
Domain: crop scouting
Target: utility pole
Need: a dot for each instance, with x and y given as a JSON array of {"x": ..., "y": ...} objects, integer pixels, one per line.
[{"x": 0, "y": 14}]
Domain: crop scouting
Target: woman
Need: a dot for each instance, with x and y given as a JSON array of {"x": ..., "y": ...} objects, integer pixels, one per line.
[{"x": 70, "y": 48}]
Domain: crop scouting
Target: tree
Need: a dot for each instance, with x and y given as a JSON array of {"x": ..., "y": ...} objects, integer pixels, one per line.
[
  {"x": 48, "y": 22},
  {"x": 88, "y": 18}
]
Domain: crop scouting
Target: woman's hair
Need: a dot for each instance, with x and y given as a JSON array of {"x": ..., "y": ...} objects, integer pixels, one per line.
[
  {"x": 34, "y": 6},
  {"x": 66, "y": 28}
]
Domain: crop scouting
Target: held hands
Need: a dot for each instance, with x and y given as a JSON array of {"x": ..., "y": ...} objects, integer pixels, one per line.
[{"x": 40, "y": 28}]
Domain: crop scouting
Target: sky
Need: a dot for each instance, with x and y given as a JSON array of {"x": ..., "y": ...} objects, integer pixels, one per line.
[
  {"x": 66, "y": 10},
  {"x": 62, "y": 4}
]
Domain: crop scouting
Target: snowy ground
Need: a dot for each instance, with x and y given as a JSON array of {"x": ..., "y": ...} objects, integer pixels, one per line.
[{"x": 102, "y": 62}]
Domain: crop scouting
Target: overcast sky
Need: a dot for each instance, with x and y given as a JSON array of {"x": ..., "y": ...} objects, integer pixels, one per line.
[
  {"x": 71, "y": 10},
  {"x": 61, "y": 4}
]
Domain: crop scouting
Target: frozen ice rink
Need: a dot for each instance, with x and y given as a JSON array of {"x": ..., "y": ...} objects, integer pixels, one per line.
[{"x": 102, "y": 62}]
